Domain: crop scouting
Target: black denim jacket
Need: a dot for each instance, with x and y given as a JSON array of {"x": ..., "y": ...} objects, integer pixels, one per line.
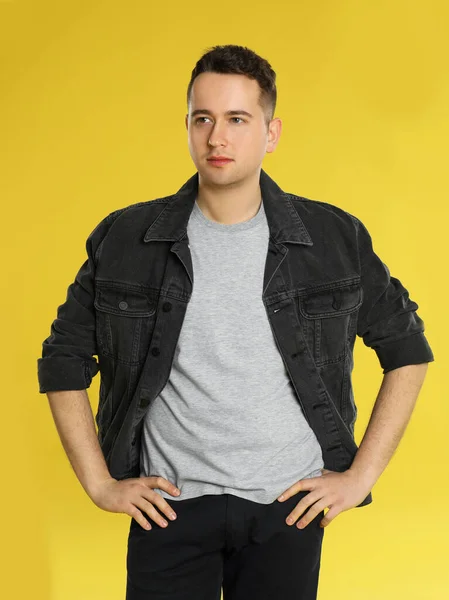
[{"x": 323, "y": 285}]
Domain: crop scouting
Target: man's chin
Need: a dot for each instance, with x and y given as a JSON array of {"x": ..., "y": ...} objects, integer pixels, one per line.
[{"x": 216, "y": 178}]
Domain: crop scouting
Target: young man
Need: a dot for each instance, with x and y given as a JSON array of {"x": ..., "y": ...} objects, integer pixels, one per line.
[{"x": 224, "y": 318}]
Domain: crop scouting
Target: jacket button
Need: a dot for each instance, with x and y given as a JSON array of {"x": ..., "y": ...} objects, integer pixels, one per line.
[
  {"x": 166, "y": 307},
  {"x": 155, "y": 351},
  {"x": 123, "y": 305},
  {"x": 144, "y": 400},
  {"x": 133, "y": 442},
  {"x": 336, "y": 302}
]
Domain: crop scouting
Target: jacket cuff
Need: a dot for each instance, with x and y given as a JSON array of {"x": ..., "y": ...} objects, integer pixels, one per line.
[
  {"x": 65, "y": 373},
  {"x": 410, "y": 350}
]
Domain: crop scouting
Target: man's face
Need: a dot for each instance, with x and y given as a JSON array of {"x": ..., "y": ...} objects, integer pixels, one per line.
[{"x": 242, "y": 138}]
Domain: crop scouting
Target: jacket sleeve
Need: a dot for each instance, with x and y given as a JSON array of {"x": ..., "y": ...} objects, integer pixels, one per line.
[
  {"x": 387, "y": 319},
  {"x": 67, "y": 361}
]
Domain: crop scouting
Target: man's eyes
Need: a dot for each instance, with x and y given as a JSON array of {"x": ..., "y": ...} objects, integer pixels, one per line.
[{"x": 199, "y": 119}]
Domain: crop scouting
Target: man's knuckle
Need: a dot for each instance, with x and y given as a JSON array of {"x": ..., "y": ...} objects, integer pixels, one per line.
[
  {"x": 155, "y": 515},
  {"x": 134, "y": 513}
]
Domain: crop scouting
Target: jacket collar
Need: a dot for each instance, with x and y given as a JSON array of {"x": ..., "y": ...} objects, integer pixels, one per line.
[{"x": 285, "y": 224}]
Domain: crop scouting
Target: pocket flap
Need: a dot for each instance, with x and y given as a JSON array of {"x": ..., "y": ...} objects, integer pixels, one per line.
[
  {"x": 125, "y": 302},
  {"x": 331, "y": 303}
]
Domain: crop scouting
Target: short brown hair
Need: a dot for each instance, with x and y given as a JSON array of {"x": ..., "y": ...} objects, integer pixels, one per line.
[{"x": 243, "y": 61}]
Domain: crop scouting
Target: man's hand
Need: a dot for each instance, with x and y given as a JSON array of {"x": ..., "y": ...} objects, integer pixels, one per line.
[
  {"x": 338, "y": 491},
  {"x": 128, "y": 495}
]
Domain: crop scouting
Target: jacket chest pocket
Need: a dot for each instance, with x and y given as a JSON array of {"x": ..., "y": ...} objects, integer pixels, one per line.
[
  {"x": 328, "y": 319},
  {"x": 124, "y": 321}
]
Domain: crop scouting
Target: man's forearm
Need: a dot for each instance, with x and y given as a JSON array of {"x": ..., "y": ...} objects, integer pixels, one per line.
[
  {"x": 75, "y": 424},
  {"x": 391, "y": 413}
]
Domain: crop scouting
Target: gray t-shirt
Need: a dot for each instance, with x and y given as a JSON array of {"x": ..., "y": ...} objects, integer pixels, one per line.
[{"x": 228, "y": 419}]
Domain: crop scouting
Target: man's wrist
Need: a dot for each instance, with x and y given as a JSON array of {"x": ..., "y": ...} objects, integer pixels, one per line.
[
  {"x": 93, "y": 488},
  {"x": 364, "y": 476}
]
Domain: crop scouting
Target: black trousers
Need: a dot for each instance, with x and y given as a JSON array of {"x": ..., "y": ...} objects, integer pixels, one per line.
[{"x": 224, "y": 541}]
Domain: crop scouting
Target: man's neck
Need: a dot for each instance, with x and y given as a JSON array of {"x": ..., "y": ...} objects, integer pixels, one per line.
[{"x": 230, "y": 206}]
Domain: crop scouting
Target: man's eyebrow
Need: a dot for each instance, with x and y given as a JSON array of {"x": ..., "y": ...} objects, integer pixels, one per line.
[{"x": 204, "y": 111}]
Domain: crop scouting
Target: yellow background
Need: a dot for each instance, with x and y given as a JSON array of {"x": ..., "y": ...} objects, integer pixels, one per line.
[{"x": 92, "y": 98}]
